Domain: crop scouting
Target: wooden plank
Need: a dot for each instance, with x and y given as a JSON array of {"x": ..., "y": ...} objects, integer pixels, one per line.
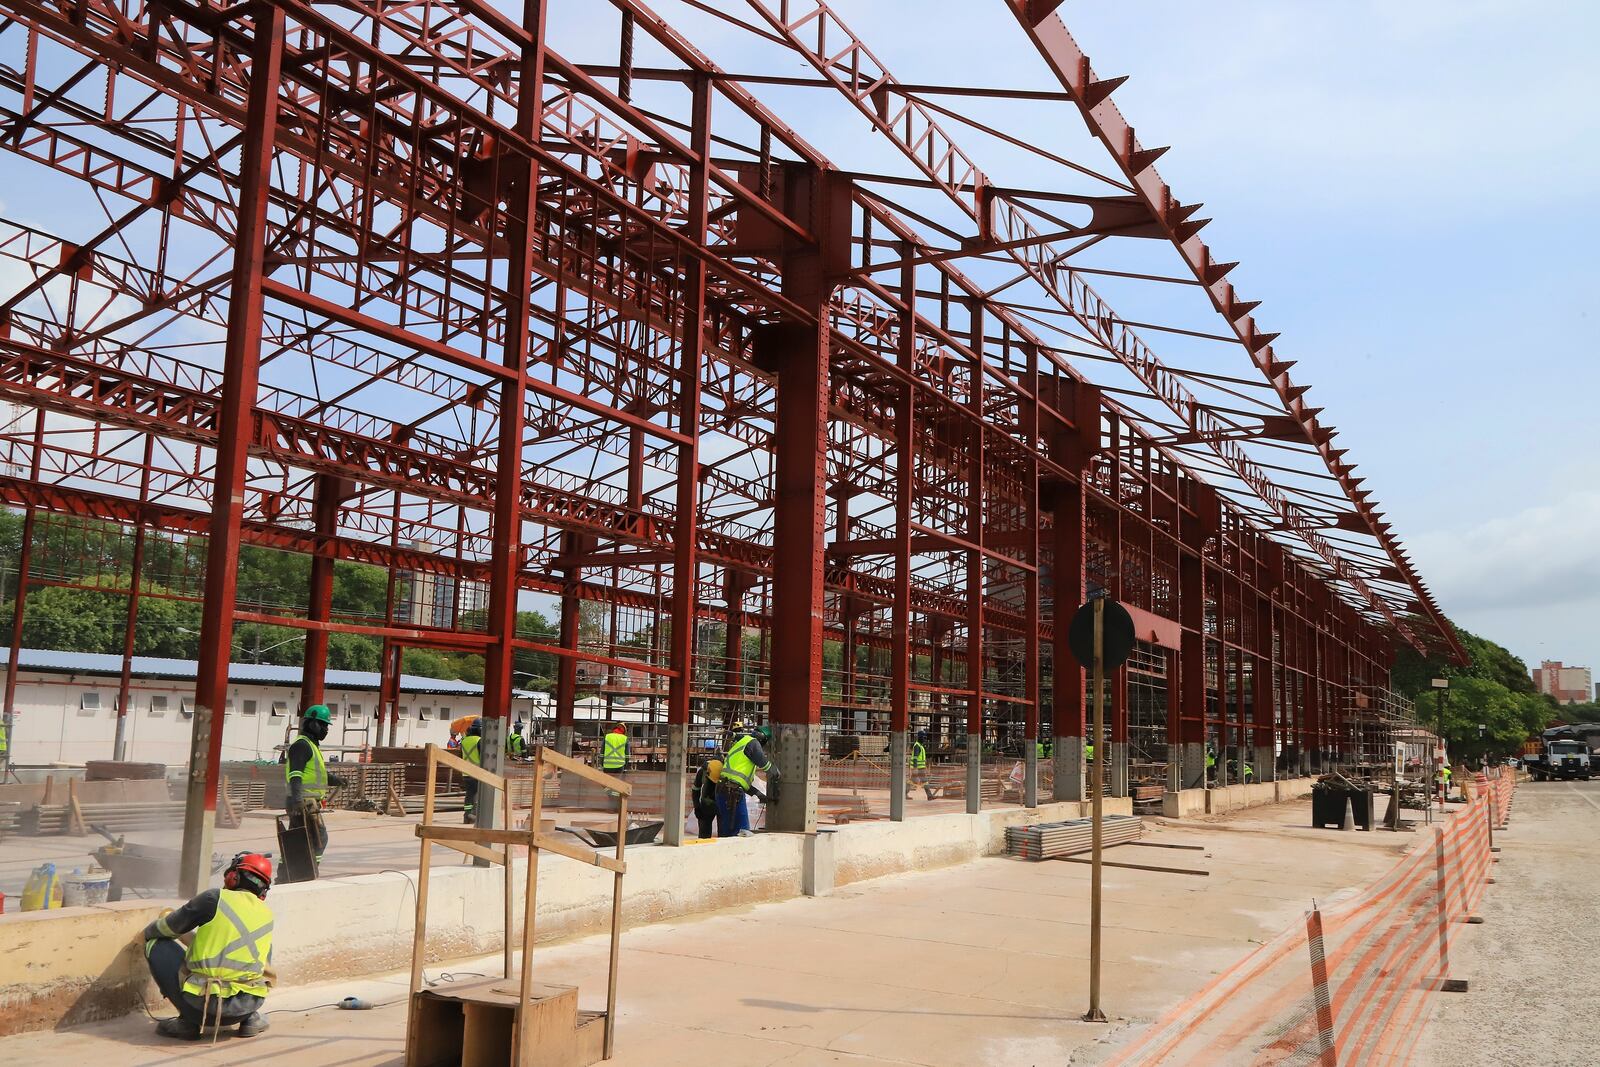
[
  {"x": 529, "y": 906},
  {"x": 509, "y": 896},
  {"x": 616, "y": 927},
  {"x": 476, "y": 851},
  {"x": 477, "y": 834},
  {"x": 552, "y": 843},
  {"x": 1163, "y": 844},
  {"x": 395, "y": 807},
  {"x": 1132, "y": 866},
  {"x": 75, "y": 822},
  {"x": 555, "y": 759},
  {"x": 441, "y": 758}
]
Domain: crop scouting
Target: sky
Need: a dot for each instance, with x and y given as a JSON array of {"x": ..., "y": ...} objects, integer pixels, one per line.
[{"x": 1409, "y": 187}]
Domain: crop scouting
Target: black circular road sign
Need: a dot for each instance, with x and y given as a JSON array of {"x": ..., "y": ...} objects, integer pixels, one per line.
[{"x": 1116, "y": 633}]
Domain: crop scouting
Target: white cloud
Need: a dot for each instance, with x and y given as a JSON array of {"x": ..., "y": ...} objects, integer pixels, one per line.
[{"x": 1547, "y": 555}]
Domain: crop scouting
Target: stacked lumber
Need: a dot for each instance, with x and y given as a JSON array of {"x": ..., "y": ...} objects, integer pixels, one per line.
[
  {"x": 247, "y": 795},
  {"x": 1046, "y": 840},
  {"x": 9, "y": 811},
  {"x": 105, "y": 770}
]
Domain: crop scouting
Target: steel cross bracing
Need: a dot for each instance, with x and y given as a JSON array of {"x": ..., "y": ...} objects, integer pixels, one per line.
[{"x": 642, "y": 344}]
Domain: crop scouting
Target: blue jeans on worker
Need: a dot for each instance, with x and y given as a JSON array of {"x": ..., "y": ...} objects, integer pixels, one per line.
[
  {"x": 733, "y": 813},
  {"x": 166, "y": 960}
]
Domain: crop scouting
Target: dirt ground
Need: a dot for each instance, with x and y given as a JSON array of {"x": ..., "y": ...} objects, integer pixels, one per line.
[{"x": 981, "y": 963}]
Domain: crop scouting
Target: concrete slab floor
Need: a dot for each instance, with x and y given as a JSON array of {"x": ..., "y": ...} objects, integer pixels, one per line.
[
  {"x": 360, "y": 842},
  {"x": 982, "y": 963}
]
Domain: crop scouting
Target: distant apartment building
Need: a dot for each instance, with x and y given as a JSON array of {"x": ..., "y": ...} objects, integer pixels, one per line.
[
  {"x": 1569, "y": 685},
  {"x": 425, "y": 599}
]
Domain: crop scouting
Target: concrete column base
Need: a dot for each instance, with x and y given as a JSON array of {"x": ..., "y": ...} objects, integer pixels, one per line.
[
  {"x": 672, "y": 808},
  {"x": 486, "y": 815},
  {"x": 1068, "y": 759},
  {"x": 797, "y": 753},
  {"x": 897, "y": 775},
  {"x": 1192, "y": 765},
  {"x": 1030, "y": 773},
  {"x": 816, "y": 865},
  {"x": 1117, "y": 769},
  {"x": 1265, "y": 764},
  {"x": 974, "y": 773},
  {"x": 564, "y": 740}
]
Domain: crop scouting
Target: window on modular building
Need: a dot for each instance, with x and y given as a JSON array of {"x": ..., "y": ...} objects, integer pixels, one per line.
[
  {"x": 280, "y": 708},
  {"x": 352, "y": 711},
  {"x": 424, "y": 714},
  {"x": 249, "y": 707},
  {"x": 444, "y": 713},
  {"x": 402, "y": 711},
  {"x": 227, "y": 707},
  {"x": 158, "y": 706},
  {"x": 89, "y": 703},
  {"x": 186, "y": 706}
]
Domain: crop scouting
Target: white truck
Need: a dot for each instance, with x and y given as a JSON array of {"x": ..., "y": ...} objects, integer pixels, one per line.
[{"x": 1560, "y": 759}]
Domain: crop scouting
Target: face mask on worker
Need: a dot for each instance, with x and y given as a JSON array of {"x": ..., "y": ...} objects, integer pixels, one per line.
[{"x": 315, "y": 729}]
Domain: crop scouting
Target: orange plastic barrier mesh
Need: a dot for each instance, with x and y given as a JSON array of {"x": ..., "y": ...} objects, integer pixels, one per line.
[{"x": 1349, "y": 985}]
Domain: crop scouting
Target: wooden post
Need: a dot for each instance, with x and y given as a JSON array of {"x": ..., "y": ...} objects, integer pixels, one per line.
[
  {"x": 421, "y": 932},
  {"x": 616, "y": 928},
  {"x": 530, "y": 895},
  {"x": 1097, "y": 840}
]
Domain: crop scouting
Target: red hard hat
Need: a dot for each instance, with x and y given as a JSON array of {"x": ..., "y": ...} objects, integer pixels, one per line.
[{"x": 251, "y": 863}]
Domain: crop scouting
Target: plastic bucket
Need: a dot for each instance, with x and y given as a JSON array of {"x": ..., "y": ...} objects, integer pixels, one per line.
[{"x": 78, "y": 890}]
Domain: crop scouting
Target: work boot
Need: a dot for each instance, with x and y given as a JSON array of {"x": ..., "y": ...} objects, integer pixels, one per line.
[
  {"x": 252, "y": 1024},
  {"x": 179, "y": 1028},
  {"x": 468, "y": 819}
]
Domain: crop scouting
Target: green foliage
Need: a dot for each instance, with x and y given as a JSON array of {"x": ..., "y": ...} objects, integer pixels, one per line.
[{"x": 1495, "y": 690}]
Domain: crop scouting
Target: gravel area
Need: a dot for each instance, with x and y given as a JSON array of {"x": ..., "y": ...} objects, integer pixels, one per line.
[{"x": 1534, "y": 966}]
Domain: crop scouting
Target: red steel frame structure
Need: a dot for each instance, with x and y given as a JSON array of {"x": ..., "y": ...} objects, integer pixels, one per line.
[{"x": 416, "y": 285}]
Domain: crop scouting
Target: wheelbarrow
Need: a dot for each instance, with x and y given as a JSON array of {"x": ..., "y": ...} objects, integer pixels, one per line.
[
  {"x": 642, "y": 834},
  {"x": 149, "y": 868}
]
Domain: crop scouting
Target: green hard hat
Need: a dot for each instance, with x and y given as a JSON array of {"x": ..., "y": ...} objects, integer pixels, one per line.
[
  {"x": 764, "y": 733},
  {"x": 318, "y": 712}
]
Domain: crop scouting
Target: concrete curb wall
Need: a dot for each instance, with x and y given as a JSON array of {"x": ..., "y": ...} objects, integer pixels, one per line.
[
  {"x": 72, "y": 966},
  {"x": 1191, "y": 802},
  {"x": 78, "y": 965}
]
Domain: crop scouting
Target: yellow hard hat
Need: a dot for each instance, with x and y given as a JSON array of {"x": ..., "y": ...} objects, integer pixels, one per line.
[{"x": 714, "y": 770}]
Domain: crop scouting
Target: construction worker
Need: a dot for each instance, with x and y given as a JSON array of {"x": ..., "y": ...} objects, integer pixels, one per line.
[
  {"x": 472, "y": 752},
  {"x": 705, "y": 796},
  {"x": 1211, "y": 762},
  {"x": 222, "y": 978},
  {"x": 5, "y": 749},
  {"x": 614, "y": 750},
  {"x": 307, "y": 773},
  {"x": 745, "y": 758},
  {"x": 1088, "y": 752},
  {"x": 1248, "y": 772},
  {"x": 1041, "y": 748},
  {"x": 516, "y": 744},
  {"x": 917, "y": 757}
]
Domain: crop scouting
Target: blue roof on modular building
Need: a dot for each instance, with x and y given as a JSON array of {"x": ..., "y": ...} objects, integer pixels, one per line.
[{"x": 53, "y": 661}]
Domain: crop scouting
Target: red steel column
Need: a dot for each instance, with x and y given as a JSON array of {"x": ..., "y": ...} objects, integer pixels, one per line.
[
  {"x": 900, "y": 616},
  {"x": 1031, "y": 666},
  {"x": 800, "y": 350},
  {"x": 505, "y": 556},
  {"x": 241, "y": 374},
  {"x": 685, "y": 560},
  {"x": 130, "y": 623},
  {"x": 325, "y": 516},
  {"x": 1265, "y": 761},
  {"x": 567, "y": 666}
]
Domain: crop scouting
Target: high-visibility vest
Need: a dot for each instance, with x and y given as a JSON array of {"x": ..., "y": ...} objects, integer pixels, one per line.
[
  {"x": 919, "y": 756},
  {"x": 515, "y": 745},
  {"x": 1249, "y": 771},
  {"x": 1211, "y": 760},
  {"x": 5, "y": 742},
  {"x": 1041, "y": 750},
  {"x": 1088, "y": 753},
  {"x": 314, "y": 778},
  {"x": 614, "y": 752},
  {"x": 229, "y": 954},
  {"x": 739, "y": 768},
  {"x": 472, "y": 750}
]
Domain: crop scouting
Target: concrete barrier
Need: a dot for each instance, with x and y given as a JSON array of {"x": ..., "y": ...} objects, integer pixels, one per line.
[
  {"x": 81, "y": 964},
  {"x": 72, "y": 966},
  {"x": 1184, "y": 804},
  {"x": 1188, "y": 803}
]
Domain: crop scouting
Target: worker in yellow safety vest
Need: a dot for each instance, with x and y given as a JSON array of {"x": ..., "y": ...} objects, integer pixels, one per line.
[
  {"x": 516, "y": 745},
  {"x": 306, "y": 772},
  {"x": 1042, "y": 748},
  {"x": 746, "y": 757},
  {"x": 223, "y": 977},
  {"x": 5, "y": 747},
  {"x": 614, "y": 750},
  {"x": 472, "y": 752},
  {"x": 917, "y": 758},
  {"x": 1088, "y": 752}
]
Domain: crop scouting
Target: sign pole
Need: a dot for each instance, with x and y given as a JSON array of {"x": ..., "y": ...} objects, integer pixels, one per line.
[{"x": 1097, "y": 780}]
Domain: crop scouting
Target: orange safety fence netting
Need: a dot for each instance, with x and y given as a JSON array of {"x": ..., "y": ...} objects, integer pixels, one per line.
[{"x": 1349, "y": 984}]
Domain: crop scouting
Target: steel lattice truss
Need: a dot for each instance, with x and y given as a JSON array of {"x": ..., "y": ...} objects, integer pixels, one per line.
[{"x": 423, "y": 285}]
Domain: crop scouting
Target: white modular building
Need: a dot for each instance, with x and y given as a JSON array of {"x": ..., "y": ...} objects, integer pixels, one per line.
[{"x": 65, "y": 708}]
